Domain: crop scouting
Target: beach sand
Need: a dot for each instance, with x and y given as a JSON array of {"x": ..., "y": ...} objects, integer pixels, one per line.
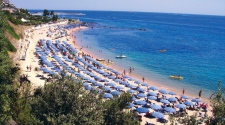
[{"x": 32, "y": 61}]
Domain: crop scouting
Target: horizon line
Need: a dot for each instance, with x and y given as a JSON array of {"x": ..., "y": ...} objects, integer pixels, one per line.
[{"x": 135, "y": 11}]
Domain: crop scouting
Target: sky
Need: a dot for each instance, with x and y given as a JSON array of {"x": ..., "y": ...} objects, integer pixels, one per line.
[{"x": 205, "y": 7}]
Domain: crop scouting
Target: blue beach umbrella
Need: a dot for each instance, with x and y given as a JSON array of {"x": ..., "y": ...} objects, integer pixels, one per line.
[
  {"x": 108, "y": 95},
  {"x": 131, "y": 105},
  {"x": 141, "y": 89},
  {"x": 184, "y": 97},
  {"x": 172, "y": 93},
  {"x": 152, "y": 94},
  {"x": 140, "y": 102},
  {"x": 98, "y": 84},
  {"x": 131, "y": 79},
  {"x": 88, "y": 87},
  {"x": 131, "y": 91},
  {"x": 111, "y": 84},
  {"x": 141, "y": 95},
  {"x": 153, "y": 88},
  {"x": 163, "y": 91},
  {"x": 124, "y": 83},
  {"x": 107, "y": 88},
  {"x": 172, "y": 99},
  {"x": 111, "y": 77},
  {"x": 126, "y": 77},
  {"x": 169, "y": 109},
  {"x": 145, "y": 84},
  {"x": 85, "y": 84},
  {"x": 131, "y": 86},
  {"x": 164, "y": 101},
  {"x": 152, "y": 97},
  {"x": 116, "y": 93},
  {"x": 196, "y": 100},
  {"x": 142, "y": 110},
  {"x": 133, "y": 98},
  {"x": 119, "y": 87},
  {"x": 155, "y": 107},
  {"x": 187, "y": 103},
  {"x": 137, "y": 82},
  {"x": 180, "y": 106},
  {"x": 157, "y": 115}
]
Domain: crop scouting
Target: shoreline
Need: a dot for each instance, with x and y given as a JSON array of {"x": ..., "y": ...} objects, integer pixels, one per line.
[
  {"x": 150, "y": 82},
  {"x": 32, "y": 60}
]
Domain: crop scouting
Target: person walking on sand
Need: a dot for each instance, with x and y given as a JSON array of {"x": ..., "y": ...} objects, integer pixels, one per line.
[
  {"x": 27, "y": 68},
  {"x": 143, "y": 78},
  {"x": 30, "y": 68}
]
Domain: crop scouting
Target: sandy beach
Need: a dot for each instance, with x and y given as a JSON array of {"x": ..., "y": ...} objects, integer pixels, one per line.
[{"x": 31, "y": 66}]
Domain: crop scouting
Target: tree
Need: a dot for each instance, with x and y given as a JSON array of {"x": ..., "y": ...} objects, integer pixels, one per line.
[
  {"x": 54, "y": 17},
  {"x": 45, "y": 13},
  {"x": 65, "y": 101},
  {"x": 218, "y": 106},
  {"x": 52, "y": 13},
  {"x": 116, "y": 112}
]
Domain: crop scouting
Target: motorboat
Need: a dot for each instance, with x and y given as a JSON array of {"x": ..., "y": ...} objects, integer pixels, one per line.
[
  {"x": 100, "y": 59},
  {"x": 176, "y": 77},
  {"x": 163, "y": 50},
  {"x": 121, "y": 56}
]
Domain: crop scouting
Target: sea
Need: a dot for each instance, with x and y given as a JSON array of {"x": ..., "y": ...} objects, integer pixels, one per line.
[{"x": 194, "y": 45}]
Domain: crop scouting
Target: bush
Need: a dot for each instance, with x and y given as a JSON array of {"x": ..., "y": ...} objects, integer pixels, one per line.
[
  {"x": 10, "y": 47},
  {"x": 12, "y": 32}
]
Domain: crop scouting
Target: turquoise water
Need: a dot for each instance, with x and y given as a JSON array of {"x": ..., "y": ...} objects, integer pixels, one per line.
[{"x": 195, "y": 45}]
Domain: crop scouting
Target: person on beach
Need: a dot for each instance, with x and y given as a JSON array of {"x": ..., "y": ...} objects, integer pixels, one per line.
[
  {"x": 143, "y": 78},
  {"x": 124, "y": 72},
  {"x": 130, "y": 70},
  {"x": 27, "y": 68},
  {"x": 30, "y": 68}
]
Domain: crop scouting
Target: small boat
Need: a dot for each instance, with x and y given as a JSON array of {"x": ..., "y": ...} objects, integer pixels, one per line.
[
  {"x": 176, "y": 77},
  {"x": 163, "y": 50},
  {"x": 121, "y": 56},
  {"x": 100, "y": 59}
]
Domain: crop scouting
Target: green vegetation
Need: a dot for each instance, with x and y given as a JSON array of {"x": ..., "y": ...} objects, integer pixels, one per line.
[
  {"x": 65, "y": 101},
  {"x": 12, "y": 32},
  {"x": 218, "y": 105},
  {"x": 7, "y": 73},
  {"x": 47, "y": 15}
]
